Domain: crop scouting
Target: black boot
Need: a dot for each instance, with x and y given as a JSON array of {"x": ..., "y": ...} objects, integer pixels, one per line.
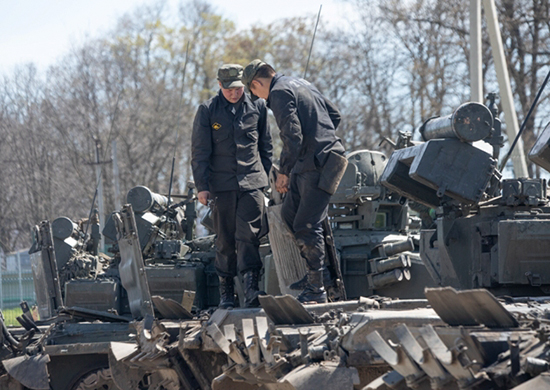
[
  {"x": 251, "y": 289},
  {"x": 227, "y": 293},
  {"x": 300, "y": 284},
  {"x": 314, "y": 291}
]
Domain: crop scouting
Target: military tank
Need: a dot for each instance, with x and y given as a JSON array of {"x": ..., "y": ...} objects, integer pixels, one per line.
[
  {"x": 91, "y": 298},
  {"x": 459, "y": 336},
  {"x": 178, "y": 266},
  {"x": 368, "y": 232}
]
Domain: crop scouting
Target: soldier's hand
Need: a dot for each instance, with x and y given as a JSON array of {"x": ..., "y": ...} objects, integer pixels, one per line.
[
  {"x": 203, "y": 197},
  {"x": 282, "y": 183}
]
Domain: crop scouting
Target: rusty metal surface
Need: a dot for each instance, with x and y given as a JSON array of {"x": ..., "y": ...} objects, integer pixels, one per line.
[
  {"x": 397, "y": 358},
  {"x": 8, "y": 383},
  {"x": 423, "y": 357},
  {"x": 45, "y": 273},
  {"x": 188, "y": 299},
  {"x": 89, "y": 332},
  {"x": 289, "y": 264},
  {"x": 121, "y": 351},
  {"x": 446, "y": 356},
  {"x": 523, "y": 248},
  {"x": 222, "y": 317},
  {"x": 77, "y": 349},
  {"x": 487, "y": 310},
  {"x": 325, "y": 375},
  {"x": 30, "y": 371},
  {"x": 336, "y": 290},
  {"x": 101, "y": 295},
  {"x": 471, "y": 307},
  {"x": 451, "y": 310},
  {"x": 44, "y": 304},
  {"x": 272, "y": 367},
  {"x": 363, "y": 323},
  {"x": 147, "y": 362},
  {"x": 132, "y": 267},
  {"x": 93, "y": 315},
  {"x": 285, "y": 310},
  {"x": 218, "y": 316},
  {"x": 392, "y": 379},
  {"x": 541, "y": 382},
  {"x": 429, "y": 357},
  {"x": 170, "y": 309},
  {"x": 124, "y": 376},
  {"x": 98, "y": 379},
  {"x": 226, "y": 383}
]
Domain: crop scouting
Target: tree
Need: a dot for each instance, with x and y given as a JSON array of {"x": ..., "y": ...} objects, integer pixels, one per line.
[{"x": 401, "y": 64}]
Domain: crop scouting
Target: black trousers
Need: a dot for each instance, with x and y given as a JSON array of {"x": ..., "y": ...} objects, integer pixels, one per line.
[
  {"x": 237, "y": 218},
  {"x": 304, "y": 208}
]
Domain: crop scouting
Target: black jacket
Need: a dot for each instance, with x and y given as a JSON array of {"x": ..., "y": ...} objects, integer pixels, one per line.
[
  {"x": 307, "y": 121},
  {"x": 231, "y": 151}
]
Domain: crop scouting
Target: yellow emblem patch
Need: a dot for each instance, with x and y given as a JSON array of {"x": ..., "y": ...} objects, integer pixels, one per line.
[{"x": 216, "y": 126}]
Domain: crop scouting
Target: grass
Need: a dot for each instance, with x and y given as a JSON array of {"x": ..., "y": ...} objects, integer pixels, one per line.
[{"x": 10, "y": 315}]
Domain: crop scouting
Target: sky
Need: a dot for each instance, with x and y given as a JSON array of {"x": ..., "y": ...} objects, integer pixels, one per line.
[{"x": 41, "y": 31}]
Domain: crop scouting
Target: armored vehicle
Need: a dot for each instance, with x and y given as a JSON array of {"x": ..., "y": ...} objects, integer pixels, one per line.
[
  {"x": 175, "y": 262},
  {"x": 88, "y": 298},
  {"x": 368, "y": 233},
  {"x": 488, "y": 239},
  {"x": 490, "y": 233}
]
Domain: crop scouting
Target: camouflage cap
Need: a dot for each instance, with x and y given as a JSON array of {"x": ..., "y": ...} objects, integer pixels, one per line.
[
  {"x": 250, "y": 71},
  {"x": 230, "y": 76}
]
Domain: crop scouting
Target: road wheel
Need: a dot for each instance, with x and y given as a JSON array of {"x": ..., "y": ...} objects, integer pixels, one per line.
[{"x": 99, "y": 379}]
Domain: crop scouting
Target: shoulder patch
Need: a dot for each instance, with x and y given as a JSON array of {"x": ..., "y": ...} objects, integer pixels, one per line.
[{"x": 216, "y": 126}]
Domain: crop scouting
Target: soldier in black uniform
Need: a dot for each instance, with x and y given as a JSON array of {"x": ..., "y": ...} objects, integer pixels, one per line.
[
  {"x": 307, "y": 121},
  {"x": 231, "y": 157}
]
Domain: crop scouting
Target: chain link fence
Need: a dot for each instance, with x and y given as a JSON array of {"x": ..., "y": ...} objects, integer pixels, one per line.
[{"x": 16, "y": 285}]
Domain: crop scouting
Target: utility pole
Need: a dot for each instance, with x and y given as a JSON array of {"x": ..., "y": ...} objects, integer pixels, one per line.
[
  {"x": 476, "y": 80},
  {"x": 99, "y": 191},
  {"x": 116, "y": 179},
  {"x": 506, "y": 97}
]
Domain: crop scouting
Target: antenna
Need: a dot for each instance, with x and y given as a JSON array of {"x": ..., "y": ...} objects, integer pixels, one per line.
[
  {"x": 177, "y": 126},
  {"x": 98, "y": 161},
  {"x": 505, "y": 159},
  {"x": 312, "y": 40}
]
